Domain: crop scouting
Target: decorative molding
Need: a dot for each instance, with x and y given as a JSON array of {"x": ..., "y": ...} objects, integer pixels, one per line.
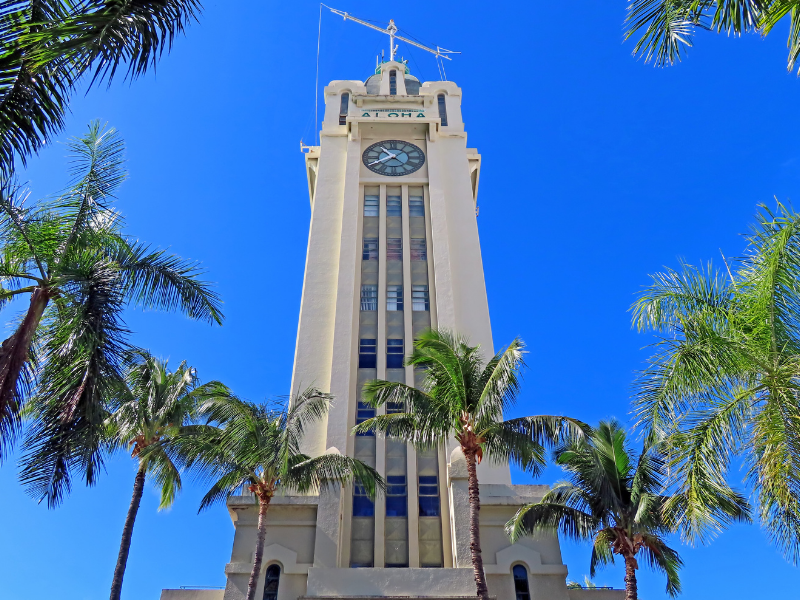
[
  {"x": 274, "y": 553},
  {"x": 517, "y": 553}
]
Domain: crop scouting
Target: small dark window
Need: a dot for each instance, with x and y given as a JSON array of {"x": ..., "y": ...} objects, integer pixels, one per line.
[
  {"x": 367, "y": 354},
  {"x": 370, "y": 249},
  {"x": 521, "y": 583},
  {"x": 394, "y": 206},
  {"x": 442, "y": 110},
  {"x": 343, "y": 108},
  {"x": 392, "y": 82},
  {"x": 420, "y": 300},
  {"x": 396, "y": 496},
  {"x": 394, "y": 249},
  {"x": 364, "y": 412},
  {"x": 416, "y": 207},
  {"x": 369, "y": 297},
  {"x": 428, "y": 496},
  {"x": 418, "y": 250},
  {"x": 394, "y": 354},
  {"x": 271, "y": 582},
  {"x": 394, "y": 297},
  {"x": 371, "y": 205},
  {"x": 363, "y": 506}
]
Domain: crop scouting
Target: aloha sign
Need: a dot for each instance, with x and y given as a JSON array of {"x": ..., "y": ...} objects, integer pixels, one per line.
[{"x": 393, "y": 112}]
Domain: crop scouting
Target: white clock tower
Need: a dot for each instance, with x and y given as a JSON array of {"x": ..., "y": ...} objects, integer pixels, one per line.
[{"x": 393, "y": 249}]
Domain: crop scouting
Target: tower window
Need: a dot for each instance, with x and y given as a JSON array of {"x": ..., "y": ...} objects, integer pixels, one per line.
[
  {"x": 396, "y": 496},
  {"x": 363, "y": 506},
  {"x": 394, "y": 206},
  {"x": 394, "y": 354},
  {"x": 442, "y": 110},
  {"x": 369, "y": 297},
  {"x": 418, "y": 250},
  {"x": 394, "y": 249},
  {"x": 370, "y": 249},
  {"x": 367, "y": 354},
  {"x": 395, "y": 406},
  {"x": 416, "y": 207},
  {"x": 364, "y": 412},
  {"x": 392, "y": 82},
  {"x": 521, "y": 583},
  {"x": 420, "y": 300},
  {"x": 428, "y": 496},
  {"x": 271, "y": 582},
  {"x": 371, "y": 205},
  {"x": 394, "y": 297},
  {"x": 343, "y": 108}
]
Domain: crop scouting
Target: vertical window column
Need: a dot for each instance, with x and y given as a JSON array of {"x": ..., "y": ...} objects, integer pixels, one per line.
[
  {"x": 430, "y": 509},
  {"x": 396, "y": 526},
  {"x": 362, "y": 526},
  {"x": 343, "y": 108}
]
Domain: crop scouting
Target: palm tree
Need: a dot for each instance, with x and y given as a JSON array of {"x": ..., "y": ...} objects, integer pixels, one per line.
[
  {"x": 667, "y": 26},
  {"x": 464, "y": 398},
  {"x": 68, "y": 255},
  {"x": 613, "y": 498},
  {"x": 155, "y": 405},
  {"x": 725, "y": 376},
  {"x": 257, "y": 448},
  {"x": 48, "y": 47}
]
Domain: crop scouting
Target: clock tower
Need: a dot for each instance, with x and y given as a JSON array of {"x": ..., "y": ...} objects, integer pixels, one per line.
[{"x": 393, "y": 249}]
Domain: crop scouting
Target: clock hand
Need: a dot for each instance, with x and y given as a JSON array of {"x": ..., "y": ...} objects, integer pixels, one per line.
[
  {"x": 382, "y": 159},
  {"x": 389, "y": 153}
]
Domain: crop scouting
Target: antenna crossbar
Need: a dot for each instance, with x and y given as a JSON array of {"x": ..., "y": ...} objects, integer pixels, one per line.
[{"x": 391, "y": 31}]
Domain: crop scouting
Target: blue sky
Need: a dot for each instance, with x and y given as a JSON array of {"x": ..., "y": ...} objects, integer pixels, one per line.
[{"x": 597, "y": 170}]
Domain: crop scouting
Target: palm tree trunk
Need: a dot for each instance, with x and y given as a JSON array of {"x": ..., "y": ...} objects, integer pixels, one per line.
[
  {"x": 15, "y": 351},
  {"x": 127, "y": 534},
  {"x": 259, "y": 555},
  {"x": 631, "y": 591},
  {"x": 474, "y": 526}
]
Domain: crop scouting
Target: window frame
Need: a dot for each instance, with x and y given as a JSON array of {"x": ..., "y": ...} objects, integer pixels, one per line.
[
  {"x": 369, "y": 297},
  {"x": 369, "y": 249},
  {"x": 516, "y": 572},
  {"x": 365, "y": 356},
  {"x": 396, "y": 350},
  {"x": 442, "y": 105},
  {"x": 418, "y": 249},
  {"x": 270, "y": 577},
  {"x": 344, "y": 108}
]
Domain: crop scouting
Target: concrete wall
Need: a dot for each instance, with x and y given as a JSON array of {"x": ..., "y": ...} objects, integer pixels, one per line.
[
  {"x": 596, "y": 594},
  {"x": 192, "y": 594}
]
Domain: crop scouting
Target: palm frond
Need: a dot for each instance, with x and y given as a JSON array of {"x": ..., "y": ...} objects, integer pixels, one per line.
[
  {"x": 545, "y": 517},
  {"x": 333, "y": 468},
  {"x": 154, "y": 279},
  {"x": 49, "y": 45}
]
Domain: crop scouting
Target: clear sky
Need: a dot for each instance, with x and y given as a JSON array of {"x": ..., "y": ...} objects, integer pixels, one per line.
[{"x": 597, "y": 170}]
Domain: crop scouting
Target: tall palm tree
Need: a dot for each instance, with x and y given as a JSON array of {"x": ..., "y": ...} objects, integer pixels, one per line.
[
  {"x": 155, "y": 405},
  {"x": 613, "y": 498},
  {"x": 69, "y": 256},
  {"x": 48, "y": 46},
  {"x": 463, "y": 397},
  {"x": 257, "y": 448},
  {"x": 724, "y": 379},
  {"x": 666, "y": 27}
]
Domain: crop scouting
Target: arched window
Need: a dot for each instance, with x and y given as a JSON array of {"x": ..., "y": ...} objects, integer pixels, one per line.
[
  {"x": 271, "y": 582},
  {"x": 521, "y": 583},
  {"x": 392, "y": 82},
  {"x": 343, "y": 108},
  {"x": 442, "y": 110}
]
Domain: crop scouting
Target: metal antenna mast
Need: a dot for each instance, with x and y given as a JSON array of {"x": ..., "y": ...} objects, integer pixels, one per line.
[{"x": 391, "y": 31}]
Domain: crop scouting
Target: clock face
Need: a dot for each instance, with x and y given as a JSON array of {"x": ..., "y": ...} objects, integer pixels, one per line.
[{"x": 393, "y": 158}]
